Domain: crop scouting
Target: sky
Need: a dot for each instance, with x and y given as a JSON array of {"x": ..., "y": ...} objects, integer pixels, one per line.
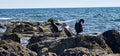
[{"x": 58, "y": 3}]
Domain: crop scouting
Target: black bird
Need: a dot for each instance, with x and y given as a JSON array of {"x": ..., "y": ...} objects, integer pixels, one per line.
[
  {"x": 67, "y": 30},
  {"x": 78, "y": 26},
  {"x": 54, "y": 27}
]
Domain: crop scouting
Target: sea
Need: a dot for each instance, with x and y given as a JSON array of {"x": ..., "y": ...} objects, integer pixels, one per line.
[{"x": 97, "y": 20}]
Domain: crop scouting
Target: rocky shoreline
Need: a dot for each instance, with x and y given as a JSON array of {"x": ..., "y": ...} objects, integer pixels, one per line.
[{"x": 42, "y": 42}]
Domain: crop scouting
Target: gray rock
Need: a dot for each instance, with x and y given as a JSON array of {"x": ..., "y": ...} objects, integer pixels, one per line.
[
  {"x": 95, "y": 44},
  {"x": 11, "y": 48},
  {"x": 77, "y": 51},
  {"x": 112, "y": 38},
  {"x": 12, "y": 36}
]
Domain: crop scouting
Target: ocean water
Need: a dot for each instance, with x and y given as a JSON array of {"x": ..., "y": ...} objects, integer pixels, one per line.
[{"x": 96, "y": 19}]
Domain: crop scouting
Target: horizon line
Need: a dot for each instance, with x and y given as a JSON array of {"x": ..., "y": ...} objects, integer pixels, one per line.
[{"x": 60, "y": 7}]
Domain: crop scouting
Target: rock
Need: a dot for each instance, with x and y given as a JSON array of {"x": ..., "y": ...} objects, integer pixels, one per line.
[
  {"x": 112, "y": 38},
  {"x": 44, "y": 36},
  {"x": 95, "y": 44},
  {"x": 46, "y": 43},
  {"x": 23, "y": 28},
  {"x": 26, "y": 29},
  {"x": 45, "y": 28},
  {"x": 113, "y": 55},
  {"x": 77, "y": 51},
  {"x": 52, "y": 45},
  {"x": 18, "y": 28},
  {"x": 12, "y": 36},
  {"x": 35, "y": 39},
  {"x": 11, "y": 48},
  {"x": 9, "y": 28},
  {"x": 62, "y": 44},
  {"x": 81, "y": 51},
  {"x": 45, "y": 52},
  {"x": 30, "y": 23}
]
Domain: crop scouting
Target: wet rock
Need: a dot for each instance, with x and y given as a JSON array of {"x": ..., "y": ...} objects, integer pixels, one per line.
[
  {"x": 45, "y": 52},
  {"x": 113, "y": 55},
  {"x": 11, "y": 48},
  {"x": 10, "y": 27},
  {"x": 46, "y": 43},
  {"x": 112, "y": 38},
  {"x": 78, "y": 51},
  {"x": 45, "y": 28},
  {"x": 30, "y": 23},
  {"x": 81, "y": 51},
  {"x": 28, "y": 29},
  {"x": 95, "y": 44},
  {"x": 55, "y": 46},
  {"x": 45, "y": 36},
  {"x": 18, "y": 28},
  {"x": 66, "y": 43},
  {"x": 12, "y": 36},
  {"x": 35, "y": 39},
  {"x": 22, "y": 28}
]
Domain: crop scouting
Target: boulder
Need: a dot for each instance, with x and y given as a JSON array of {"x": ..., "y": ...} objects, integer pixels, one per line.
[
  {"x": 45, "y": 52},
  {"x": 35, "y": 39},
  {"x": 18, "y": 28},
  {"x": 23, "y": 28},
  {"x": 12, "y": 36},
  {"x": 55, "y": 45},
  {"x": 45, "y": 36},
  {"x": 112, "y": 38},
  {"x": 77, "y": 51},
  {"x": 11, "y": 48},
  {"x": 113, "y": 55},
  {"x": 46, "y": 43},
  {"x": 96, "y": 44},
  {"x": 60, "y": 46},
  {"x": 92, "y": 42},
  {"x": 81, "y": 51}
]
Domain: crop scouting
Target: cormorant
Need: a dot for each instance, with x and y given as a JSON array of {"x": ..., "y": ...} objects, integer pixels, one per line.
[
  {"x": 67, "y": 30},
  {"x": 78, "y": 26},
  {"x": 54, "y": 27}
]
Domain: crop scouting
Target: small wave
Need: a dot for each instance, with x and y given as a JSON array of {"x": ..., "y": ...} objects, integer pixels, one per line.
[
  {"x": 66, "y": 21},
  {"x": 2, "y": 30},
  {"x": 116, "y": 20},
  {"x": 5, "y": 18}
]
